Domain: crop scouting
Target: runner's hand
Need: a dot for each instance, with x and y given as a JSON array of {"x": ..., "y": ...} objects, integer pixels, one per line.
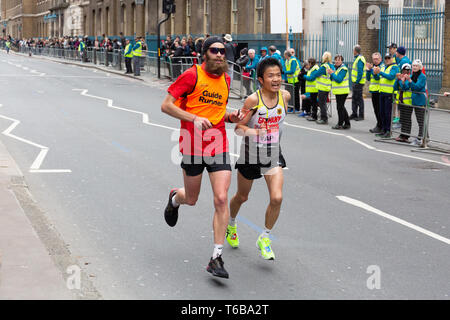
[
  {"x": 236, "y": 116},
  {"x": 202, "y": 123},
  {"x": 261, "y": 132}
]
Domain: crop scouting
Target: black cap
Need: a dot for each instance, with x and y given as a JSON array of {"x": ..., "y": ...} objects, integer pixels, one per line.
[
  {"x": 393, "y": 45},
  {"x": 209, "y": 42}
]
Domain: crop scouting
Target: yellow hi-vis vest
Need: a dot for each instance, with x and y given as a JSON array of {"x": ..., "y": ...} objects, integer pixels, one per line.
[
  {"x": 138, "y": 51},
  {"x": 8, "y": 44},
  {"x": 374, "y": 83},
  {"x": 407, "y": 97},
  {"x": 129, "y": 55},
  {"x": 311, "y": 86},
  {"x": 81, "y": 46},
  {"x": 324, "y": 81},
  {"x": 344, "y": 86},
  {"x": 292, "y": 78},
  {"x": 387, "y": 86},
  {"x": 355, "y": 70}
]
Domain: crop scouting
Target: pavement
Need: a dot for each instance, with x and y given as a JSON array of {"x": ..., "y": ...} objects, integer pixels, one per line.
[
  {"x": 104, "y": 214},
  {"x": 27, "y": 271}
]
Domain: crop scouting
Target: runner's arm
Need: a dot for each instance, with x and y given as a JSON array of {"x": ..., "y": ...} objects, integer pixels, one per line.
[
  {"x": 168, "y": 106},
  {"x": 286, "y": 98},
  {"x": 241, "y": 128}
]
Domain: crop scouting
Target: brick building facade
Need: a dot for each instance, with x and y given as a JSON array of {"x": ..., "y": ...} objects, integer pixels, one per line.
[{"x": 41, "y": 18}]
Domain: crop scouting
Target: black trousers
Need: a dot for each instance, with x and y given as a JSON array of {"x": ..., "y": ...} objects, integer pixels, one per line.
[
  {"x": 405, "y": 119},
  {"x": 342, "y": 111},
  {"x": 128, "y": 65},
  {"x": 297, "y": 96},
  {"x": 376, "y": 107},
  {"x": 386, "y": 111},
  {"x": 306, "y": 105},
  {"x": 323, "y": 96},
  {"x": 357, "y": 100},
  {"x": 314, "y": 104}
]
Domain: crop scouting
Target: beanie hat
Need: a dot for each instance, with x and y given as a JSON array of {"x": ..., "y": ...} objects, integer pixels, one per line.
[{"x": 209, "y": 42}]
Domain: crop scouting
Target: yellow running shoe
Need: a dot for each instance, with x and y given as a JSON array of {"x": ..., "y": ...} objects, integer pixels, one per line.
[
  {"x": 263, "y": 244},
  {"x": 232, "y": 236}
]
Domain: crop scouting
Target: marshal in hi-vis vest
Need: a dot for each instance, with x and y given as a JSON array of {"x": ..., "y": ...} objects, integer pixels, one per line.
[
  {"x": 344, "y": 86},
  {"x": 355, "y": 70},
  {"x": 311, "y": 86}
]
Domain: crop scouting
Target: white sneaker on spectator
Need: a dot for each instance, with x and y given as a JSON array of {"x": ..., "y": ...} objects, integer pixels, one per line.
[{"x": 416, "y": 142}]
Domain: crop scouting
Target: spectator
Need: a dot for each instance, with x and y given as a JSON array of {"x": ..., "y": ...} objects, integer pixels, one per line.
[
  {"x": 137, "y": 54},
  {"x": 230, "y": 54},
  {"x": 400, "y": 59},
  {"x": 306, "y": 99},
  {"x": 311, "y": 87},
  {"x": 176, "y": 60},
  {"x": 292, "y": 70},
  {"x": 324, "y": 86},
  {"x": 404, "y": 102},
  {"x": 252, "y": 65},
  {"x": 263, "y": 52},
  {"x": 128, "y": 54},
  {"x": 393, "y": 51},
  {"x": 358, "y": 80},
  {"x": 417, "y": 83},
  {"x": 388, "y": 74},
  {"x": 374, "y": 89},
  {"x": 340, "y": 87},
  {"x": 242, "y": 62}
]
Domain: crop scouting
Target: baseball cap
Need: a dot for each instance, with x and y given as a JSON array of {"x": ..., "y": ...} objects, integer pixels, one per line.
[
  {"x": 392, "y": 45},
  {"x": 401, "y": 50},
  {"x": 388, "y": 56}
]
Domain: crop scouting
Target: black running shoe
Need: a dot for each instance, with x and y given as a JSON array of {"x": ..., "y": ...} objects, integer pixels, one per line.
[
  {"x": 215, "y": 267},
  {"x": 171, "y": 213}
]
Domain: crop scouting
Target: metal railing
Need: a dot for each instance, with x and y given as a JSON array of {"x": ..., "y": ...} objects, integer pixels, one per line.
[{"x": 430, "y": 130}]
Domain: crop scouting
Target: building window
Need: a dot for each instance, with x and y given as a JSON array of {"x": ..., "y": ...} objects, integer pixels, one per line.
[
  {"x": 206, "y": 25},
  {"x": 188, "y": 16},
  {"x": 259, "y": 16},
  {"x": 234, "y": 16}
]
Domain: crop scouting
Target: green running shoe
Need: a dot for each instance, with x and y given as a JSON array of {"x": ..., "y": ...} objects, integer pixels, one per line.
[
  {"x": 232, "y": 236},
  {"x": 263, "y": 244}
]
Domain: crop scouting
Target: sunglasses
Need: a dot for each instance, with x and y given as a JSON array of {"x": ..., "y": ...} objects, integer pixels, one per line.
[{"x": 217, "y": 50}]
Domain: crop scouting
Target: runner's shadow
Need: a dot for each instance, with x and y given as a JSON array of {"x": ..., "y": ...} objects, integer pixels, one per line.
[{"x": 218, "y": 283}]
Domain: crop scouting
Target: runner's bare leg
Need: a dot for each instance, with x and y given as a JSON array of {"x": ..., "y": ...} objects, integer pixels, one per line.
[
  {"x": 220, "y": 183},
  {"x": 189, "y": 194},
  {"x": 241, "y": 196},
  {"x": 274, "y": 179}
]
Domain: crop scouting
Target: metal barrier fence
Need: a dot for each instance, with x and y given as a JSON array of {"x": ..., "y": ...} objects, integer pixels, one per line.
[
  {"x": 429, "y": 131},
  {"x": 171, "y": 67},
  {"x": 437, "y": 128}
]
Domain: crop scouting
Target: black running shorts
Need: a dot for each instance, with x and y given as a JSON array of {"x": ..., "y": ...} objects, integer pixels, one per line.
[
  {"x": 256, "y": 171},
  {"x": 195, "y": 165}
]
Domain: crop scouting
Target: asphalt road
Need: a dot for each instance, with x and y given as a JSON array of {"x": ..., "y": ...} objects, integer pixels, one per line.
[{"x": 101, "y": 170}]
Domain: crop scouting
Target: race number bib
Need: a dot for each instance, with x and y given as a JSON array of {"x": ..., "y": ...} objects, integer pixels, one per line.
[{"x": 271, "y": 137}]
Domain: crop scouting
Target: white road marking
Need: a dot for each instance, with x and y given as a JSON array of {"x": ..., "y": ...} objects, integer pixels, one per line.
[
  {"x": 35, "y": 167},
  {"x": 145, "y": 117},
  {"x": 369, "y": 146},
  {"x": 366, "y": 207},
  {"x": 312, "y": 129}
]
